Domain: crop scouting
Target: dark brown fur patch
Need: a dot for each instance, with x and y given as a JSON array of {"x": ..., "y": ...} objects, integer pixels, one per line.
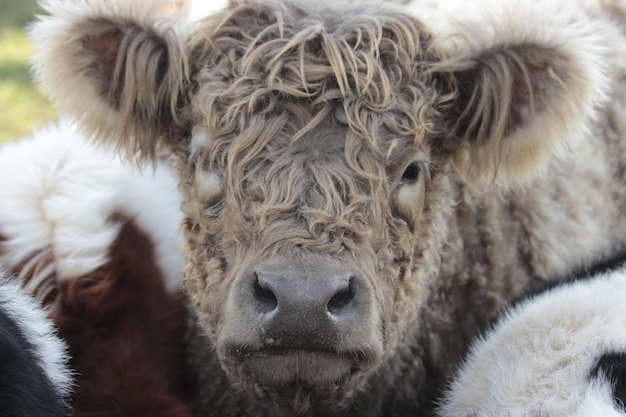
[{"x": 125, "y": 335}]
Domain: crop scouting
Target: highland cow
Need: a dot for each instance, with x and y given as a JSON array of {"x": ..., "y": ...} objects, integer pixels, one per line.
[
  {"x": 561, "y": 352},
  {"x": 96, "y": 242},
  {"x": 364, "y": 184}
]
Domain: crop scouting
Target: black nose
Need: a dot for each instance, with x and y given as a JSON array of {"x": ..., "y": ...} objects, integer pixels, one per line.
[{"x": 304, "y": 305}]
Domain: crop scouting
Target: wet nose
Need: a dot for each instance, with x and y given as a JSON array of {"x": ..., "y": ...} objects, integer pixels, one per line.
[{"x": 304, "y": 306}]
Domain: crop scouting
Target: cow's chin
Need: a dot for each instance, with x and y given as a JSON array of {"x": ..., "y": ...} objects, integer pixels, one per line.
[{"x": 299, "y": 381}]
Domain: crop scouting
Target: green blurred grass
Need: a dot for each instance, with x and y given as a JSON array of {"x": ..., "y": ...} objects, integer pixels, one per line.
[{"x": 22, "y": 106}]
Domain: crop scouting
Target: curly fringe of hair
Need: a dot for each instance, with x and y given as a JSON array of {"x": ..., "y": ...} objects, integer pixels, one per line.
[
  {"x": 288, "y": 75},
  {"x": 251, "y": 77}
]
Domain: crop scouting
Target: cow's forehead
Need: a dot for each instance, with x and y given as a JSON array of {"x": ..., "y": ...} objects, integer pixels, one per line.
[
  {"x": 289, "y": 140},
  {"x": 254, "y": 65}
]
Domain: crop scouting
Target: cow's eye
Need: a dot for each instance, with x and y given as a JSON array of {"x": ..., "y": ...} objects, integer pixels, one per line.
[{"x": 411, "y": 173}]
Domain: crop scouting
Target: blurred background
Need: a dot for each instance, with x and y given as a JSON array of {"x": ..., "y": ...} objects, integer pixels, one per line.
[{"x": 22, "y": 106}]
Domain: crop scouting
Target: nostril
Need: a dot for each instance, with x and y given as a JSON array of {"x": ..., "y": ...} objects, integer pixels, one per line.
[
  {"x": 265, "y": 297},
  {"x": 342, "y": 298}
]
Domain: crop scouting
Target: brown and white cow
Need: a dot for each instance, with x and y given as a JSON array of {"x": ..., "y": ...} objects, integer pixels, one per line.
[{"x": 97, "y": 243}]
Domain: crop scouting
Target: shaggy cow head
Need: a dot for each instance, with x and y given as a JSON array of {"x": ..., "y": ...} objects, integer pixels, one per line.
[{"x": 320, "y": 150}]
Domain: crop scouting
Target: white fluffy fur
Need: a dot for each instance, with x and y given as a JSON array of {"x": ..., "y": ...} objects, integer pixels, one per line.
[
  {"x": 59, "y": 192},
  {"x": 49, "y": 351},
  {"x": 469, "y": 28},
  {"x": 538, "y": 359},
  {"x": 202, "y": 8}
]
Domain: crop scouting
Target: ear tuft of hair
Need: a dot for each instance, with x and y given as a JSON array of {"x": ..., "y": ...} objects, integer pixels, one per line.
[
  {"x": 116, "y": 66},
  {"x": 529, "y": 77}
]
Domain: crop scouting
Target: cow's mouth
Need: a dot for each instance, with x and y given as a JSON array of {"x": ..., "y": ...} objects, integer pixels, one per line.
[
  {"x": 303, "y": 331},
  {"x": 276, "y": 366},
  {"x": 299, "y": 380}
]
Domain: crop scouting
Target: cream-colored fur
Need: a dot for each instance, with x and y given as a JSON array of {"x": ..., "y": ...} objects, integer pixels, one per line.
[{"x": 539, "y": 358}]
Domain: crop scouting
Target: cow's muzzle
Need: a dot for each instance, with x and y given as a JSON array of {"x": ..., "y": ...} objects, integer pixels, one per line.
[{"x": 310, "y": 320}]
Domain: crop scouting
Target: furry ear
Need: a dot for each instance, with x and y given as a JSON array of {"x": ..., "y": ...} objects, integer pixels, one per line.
[
  {"x": 524, "y": 78},
  {"x": 117, "y": 66}
]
